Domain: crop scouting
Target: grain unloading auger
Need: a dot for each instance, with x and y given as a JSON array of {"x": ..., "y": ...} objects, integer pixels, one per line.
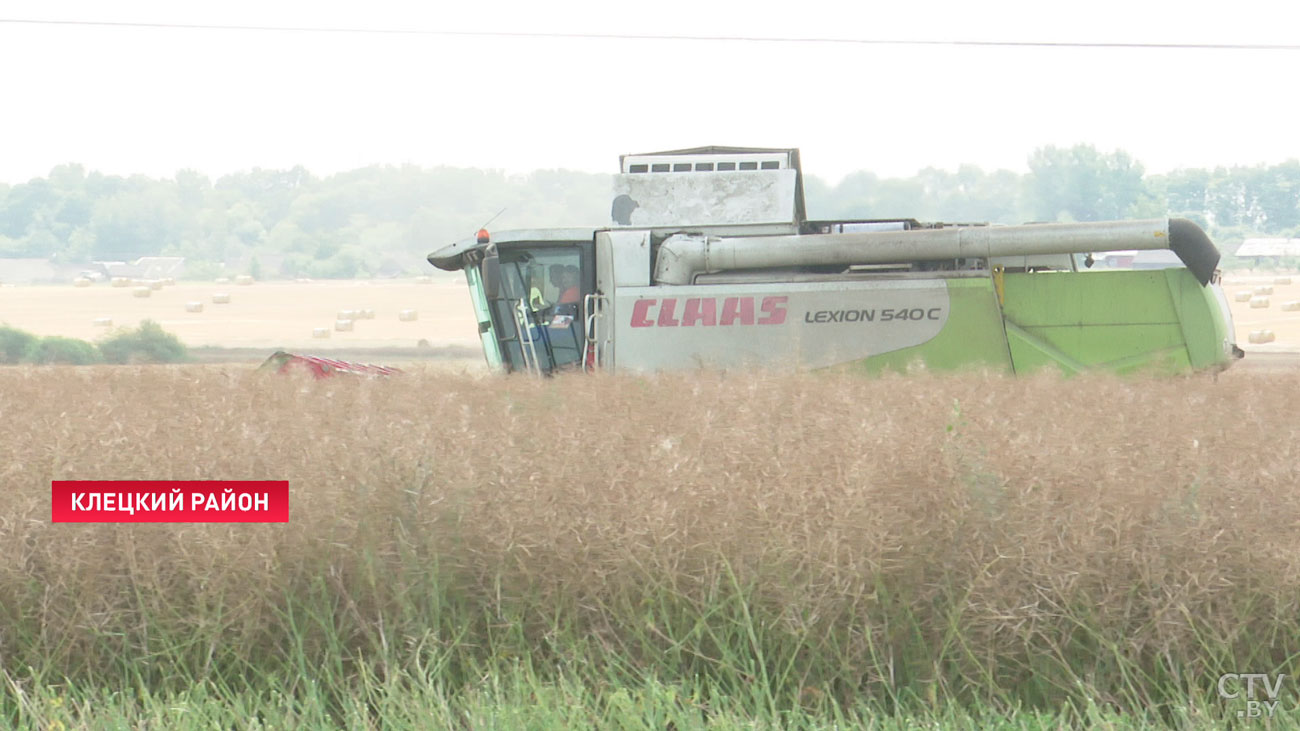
[{"x": 711, "y": 261}]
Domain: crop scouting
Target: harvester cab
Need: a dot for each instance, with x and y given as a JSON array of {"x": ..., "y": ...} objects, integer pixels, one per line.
[
  {"x": 528, "y": 288},
  {"x": 711, "y": 260}
]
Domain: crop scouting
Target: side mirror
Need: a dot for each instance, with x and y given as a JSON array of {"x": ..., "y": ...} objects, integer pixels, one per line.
[{"x": 492, "y": 276}]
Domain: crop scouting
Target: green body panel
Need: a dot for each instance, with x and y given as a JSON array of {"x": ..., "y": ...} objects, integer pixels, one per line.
[
  {"x": 1155, "y": 320},
  {"x": 972, "y": 337},
  {"x": 1206, "y": 331},
  {"x": 1123, "y": 321}
]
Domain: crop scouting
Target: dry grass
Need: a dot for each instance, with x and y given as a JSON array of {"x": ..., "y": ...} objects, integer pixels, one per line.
[{"x": 1033, "y": 541}]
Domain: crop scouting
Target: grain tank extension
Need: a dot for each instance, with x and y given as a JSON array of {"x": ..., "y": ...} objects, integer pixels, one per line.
[{"x": 711, "y": 261}]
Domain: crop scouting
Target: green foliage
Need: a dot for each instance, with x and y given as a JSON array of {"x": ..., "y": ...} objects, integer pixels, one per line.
[
  {"x": 292, "y": 223},
  {"x": 520, "y": 695},
  {"x": 19, "y": 346},
  {"x": 341, "y": 265},
  {"x": 1082, "y": 184},
  {"x": 148, "y": 343},
  {"x": 399, "y": 212},
  {"x": 14, "y": 344},
  {"x": 65, "y": 351}
]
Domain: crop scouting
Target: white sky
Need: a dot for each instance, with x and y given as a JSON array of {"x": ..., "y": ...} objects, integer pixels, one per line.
[{"x": 152, "y": 101}]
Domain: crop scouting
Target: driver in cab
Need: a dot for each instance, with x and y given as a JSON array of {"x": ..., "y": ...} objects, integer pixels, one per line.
[{"x": 563, "y": 279}]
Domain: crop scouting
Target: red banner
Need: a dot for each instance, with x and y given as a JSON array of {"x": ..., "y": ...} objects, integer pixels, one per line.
[{"x": 169, "y": 501}]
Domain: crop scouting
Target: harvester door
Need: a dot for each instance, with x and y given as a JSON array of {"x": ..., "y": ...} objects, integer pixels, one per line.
[
  {"x": 491, "y": 273},
  {"x": 622, "y": 259}
]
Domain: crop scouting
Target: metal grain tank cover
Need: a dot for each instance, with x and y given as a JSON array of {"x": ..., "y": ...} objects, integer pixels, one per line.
[{"x": 706, "y": 199}]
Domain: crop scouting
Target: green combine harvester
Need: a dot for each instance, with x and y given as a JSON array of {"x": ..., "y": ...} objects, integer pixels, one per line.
[{"x": 710, "y": 261}]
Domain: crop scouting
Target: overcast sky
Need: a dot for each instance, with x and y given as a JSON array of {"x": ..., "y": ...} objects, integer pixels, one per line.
[{"x": 154, "y": 100}]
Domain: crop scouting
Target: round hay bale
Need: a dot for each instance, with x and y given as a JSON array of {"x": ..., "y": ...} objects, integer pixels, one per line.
[
  {"x": 243, "y": 280},
  {"x": 222, "y": 280},
  {"x": 1258, "y": 303},
  {"x": 1282, "y": 280},
  {"x": 141, "y": 292},
  {"x": 155, "y": 284},
  {"x": 320, "y": 332},
  {"x": 120, "y": 282},
  {"x": 169, "y": 281},
  {"x": 424, "y": 280},
  {"x": 367, "y": 314},
  {"x": 302, "y": 280},
  {"x": 1261, "y": 336},
  {"x": 347, "y": 315},
  {"x": 102, "y": 322},
  {"x": 343, "y": 326},
  {"x": 221, "y": 298},
  {"x": 1263, "y": 290},
  {"x": 1243, "y": 295},
  {"x": 1292, "y": 306},
  {"x": 408, "y": 315},
  {"x": 81, "y": 282},
  {"x": 193, "y": 306}
]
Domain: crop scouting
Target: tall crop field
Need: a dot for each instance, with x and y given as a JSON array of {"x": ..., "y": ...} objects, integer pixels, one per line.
[{"x": 700, "y": 550}]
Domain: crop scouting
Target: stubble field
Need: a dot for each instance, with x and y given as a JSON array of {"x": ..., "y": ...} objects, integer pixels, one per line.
[
  {"x": 1284, "y": 324},
  {"x": 265, "y": 315},
  {"x": 750, "y": 550},
  {"x": 269, "y": 315}
]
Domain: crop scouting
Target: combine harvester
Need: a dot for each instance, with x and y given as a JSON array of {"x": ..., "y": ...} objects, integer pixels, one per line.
[{"x": 710, "y": 261}]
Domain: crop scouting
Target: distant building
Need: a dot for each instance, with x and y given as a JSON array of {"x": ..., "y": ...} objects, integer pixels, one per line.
[
  {"x": 160, "y": 267},
  {"x": 36, "y": 271},
  {"x": 1156, "y": 259},
  {"x": 1115, "y": 259},
  {"x": 146, "y": 267},
  {"x": 1268, "y": 251},
  {"x": 1134, "y": 259},
  {"x": 108, "y": 269}
]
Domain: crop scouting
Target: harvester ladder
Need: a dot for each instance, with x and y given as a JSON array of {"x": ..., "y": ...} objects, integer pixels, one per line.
[{"x": 527, "y": 346}]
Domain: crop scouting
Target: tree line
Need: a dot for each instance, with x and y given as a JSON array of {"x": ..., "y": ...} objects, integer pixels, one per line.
[{"x": 357, "y": 222}]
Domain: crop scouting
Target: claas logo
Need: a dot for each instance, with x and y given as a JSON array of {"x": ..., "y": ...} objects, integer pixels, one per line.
[{"x": 708, "y": 311}]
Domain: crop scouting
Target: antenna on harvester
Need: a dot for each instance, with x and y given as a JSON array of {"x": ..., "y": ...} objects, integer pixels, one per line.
[{"x": 482, "y": 237}]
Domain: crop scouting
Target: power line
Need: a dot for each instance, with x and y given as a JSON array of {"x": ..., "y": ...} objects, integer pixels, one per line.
[{"x": 663, "y": 37}]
